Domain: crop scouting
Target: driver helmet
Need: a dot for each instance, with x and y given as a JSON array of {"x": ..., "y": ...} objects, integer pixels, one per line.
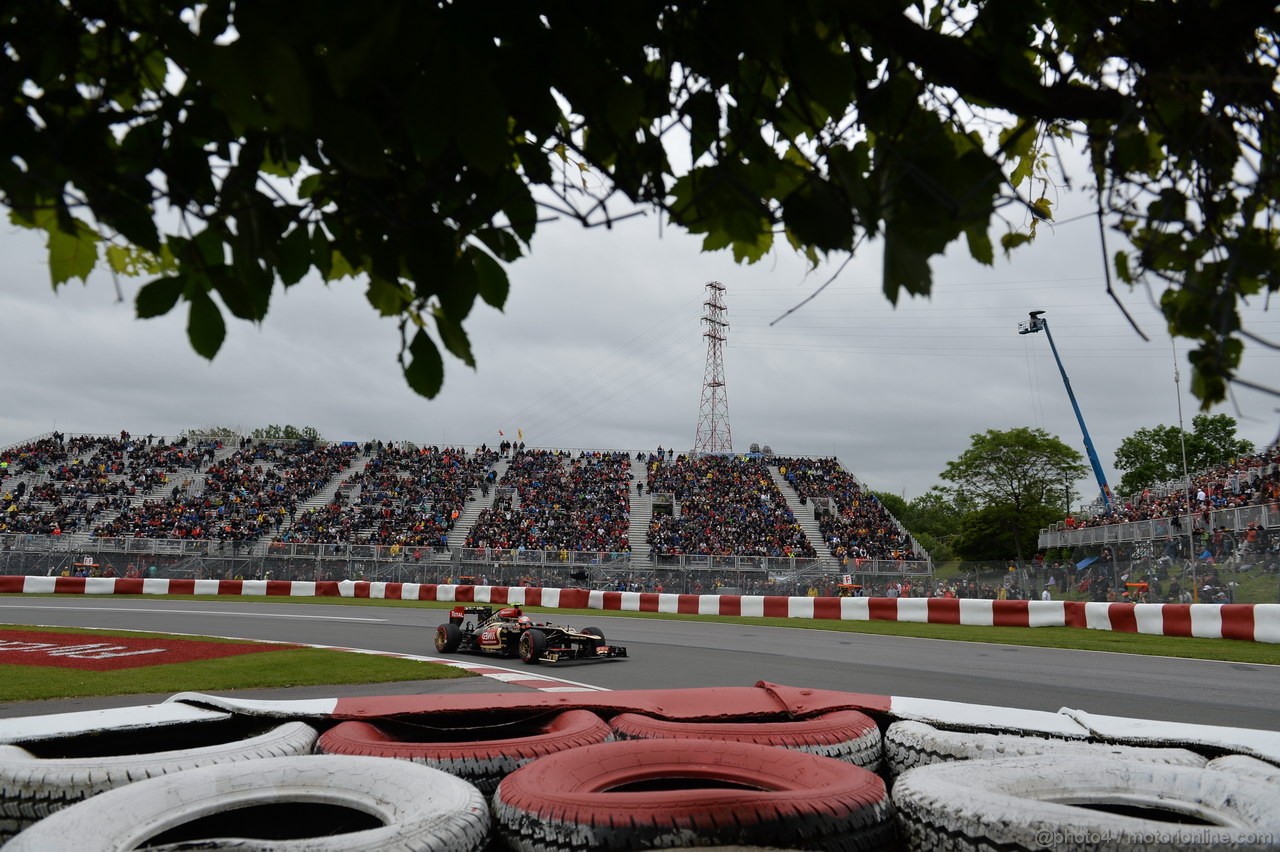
[{"x": 525, "y": 622}]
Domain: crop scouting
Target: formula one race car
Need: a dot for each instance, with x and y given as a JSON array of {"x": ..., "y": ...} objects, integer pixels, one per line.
[{"x": 511, "y": 633}]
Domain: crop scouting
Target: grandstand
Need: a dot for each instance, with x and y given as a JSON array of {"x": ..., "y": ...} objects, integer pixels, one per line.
[
  {"x": 1240, "y": 498},
  {"x": 223, "y": 508}
]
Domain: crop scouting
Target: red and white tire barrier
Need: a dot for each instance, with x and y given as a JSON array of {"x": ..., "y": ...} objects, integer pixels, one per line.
[
  {"x": 695, "y": 787},
  {"x": 1247, "y": 622},
  {"x": 763, "y": 702}
]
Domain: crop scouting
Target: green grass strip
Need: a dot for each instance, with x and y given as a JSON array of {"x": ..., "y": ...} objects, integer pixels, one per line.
[{"x": 272, "y": 669}]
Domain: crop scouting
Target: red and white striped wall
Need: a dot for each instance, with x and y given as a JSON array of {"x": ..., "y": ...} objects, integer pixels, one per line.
[{"x": 1248, "y": 622}]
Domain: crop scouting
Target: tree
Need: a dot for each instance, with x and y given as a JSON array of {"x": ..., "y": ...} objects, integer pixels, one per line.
[
  {"x": 1012, "y": 477},
  {"x": 936, "y": 514},
  {"x": 1151, "y": 456},
  {"x": 894, "y": 504},
  {"x": 220, "y": 147},
  {"x": 993, "y": 532},
  {"x": 198, "y": 432},
  {"x": 287, "y": 432}
]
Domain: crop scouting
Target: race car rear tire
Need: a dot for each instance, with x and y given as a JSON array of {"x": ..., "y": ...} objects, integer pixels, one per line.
[
  {"x": 1054, "y": 801},
  {"x": 32, "y": 786},
  {"x": 479, "y": 754},
  {"x": 314, "y": 803},
  {"x": 846, "y": 735},
  {"x": 533, "y": 644},
  {"x": 448, "y": 638},
  {"x": 911, "y": 744},
  {"x": 646, "y": 794}
]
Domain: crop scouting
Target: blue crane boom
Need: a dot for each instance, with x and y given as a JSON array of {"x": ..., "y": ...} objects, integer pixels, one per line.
[{"x": 1036, "y": 323}]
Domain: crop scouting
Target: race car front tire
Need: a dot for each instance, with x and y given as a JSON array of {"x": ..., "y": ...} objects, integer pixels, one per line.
[
  {"x": 533, "y": 644},
  {"x": 598, "y": 633}
]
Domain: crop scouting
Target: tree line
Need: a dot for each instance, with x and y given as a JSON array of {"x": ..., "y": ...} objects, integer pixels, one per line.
[{"x": 1009, "y": 484}]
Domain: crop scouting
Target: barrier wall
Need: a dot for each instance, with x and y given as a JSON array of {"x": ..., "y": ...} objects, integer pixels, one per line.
[{"x": 1247, "y": 622}]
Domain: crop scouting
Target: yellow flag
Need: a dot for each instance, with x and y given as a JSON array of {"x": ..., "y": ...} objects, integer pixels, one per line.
[{"x": 520, "y": 434}]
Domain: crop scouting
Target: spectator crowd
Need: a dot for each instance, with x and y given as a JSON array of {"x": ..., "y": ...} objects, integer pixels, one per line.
[
  {"x": 1246, "y": 481},
  {"x": 855, "y": 524},
  {"x": 551, "y": 500},
  {"x": 723, "y": 506}
]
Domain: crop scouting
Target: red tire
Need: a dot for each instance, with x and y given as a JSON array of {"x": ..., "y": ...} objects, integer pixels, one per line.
[
  {"x": 533, "y": 644},
  {"x": 647, "y": 794},
  {"x": 466, "y": 752},
  {"x": 846, "y": 735}
]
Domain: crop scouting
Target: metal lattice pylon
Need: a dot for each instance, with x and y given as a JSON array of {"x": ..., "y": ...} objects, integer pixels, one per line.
[{"x": 713, "y": 435}]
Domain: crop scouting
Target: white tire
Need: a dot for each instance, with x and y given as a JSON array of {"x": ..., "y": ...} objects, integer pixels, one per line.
[
  {"x": 1242, "y": 764},
  {"x": 33, "y": 785},
  {"x": 318, "y": 803},
  {"x": 911, "y": 744},
  {"x": 1059, "y": 802}
]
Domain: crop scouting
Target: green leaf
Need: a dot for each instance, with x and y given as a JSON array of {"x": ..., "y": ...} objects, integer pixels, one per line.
[
  {"x": 979, "y": 239},
  {"x": 425, "y": 372},
  {"x": 278, "y": 71},
  {"x": 819, "y": 215},
  {"x": 454, "y": 338},
  {"x": 391, "y": 298},
  {"x": 491, "y": 278},
  {"x": 1018, "y": 143},
  {"x": 905, "y": 264},
  {"x": 158, "y": 297},
  {"x": 339, "y": 267},
  {"x": 501, "y": 243},
  {"x": 480, "y": 124},
  {"x": 244, "y": 296},
  {"x": 1013, "y": 239},
  {"x": 623, "y": 107},
  {"x": 351, "y": 139},
  {"x": 1171, "y": 206},
  {"x": 285, "y": 169},
  {"x": 211, "y": 245},
  {"x": 308, "y": 185},
  {"x": 133, "y": 220},
  {"x": 295, "y": 255},
  {"x": 120, "y": 259},
  {"x": 1123, "y": 272},
  {"x": 751, "y": 251},
  {"x": 1042, "y": 208},
  {"x": 520, "y": 209},
  {"x": 703, "y": 109},
  {"x": 72, "y": 255},
  {"x": 205, "y": 327},
  {"x": 321, "y": 251}
]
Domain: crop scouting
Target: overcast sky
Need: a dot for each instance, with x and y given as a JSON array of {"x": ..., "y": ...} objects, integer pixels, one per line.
[{"x": 600, "y": 346}]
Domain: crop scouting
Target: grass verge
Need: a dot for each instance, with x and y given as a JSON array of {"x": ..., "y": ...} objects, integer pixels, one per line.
[{"x": 271, "y": 669}]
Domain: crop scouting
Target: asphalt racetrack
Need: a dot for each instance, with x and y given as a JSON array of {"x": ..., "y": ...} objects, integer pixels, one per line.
[{"x": 678, "y": 654}]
